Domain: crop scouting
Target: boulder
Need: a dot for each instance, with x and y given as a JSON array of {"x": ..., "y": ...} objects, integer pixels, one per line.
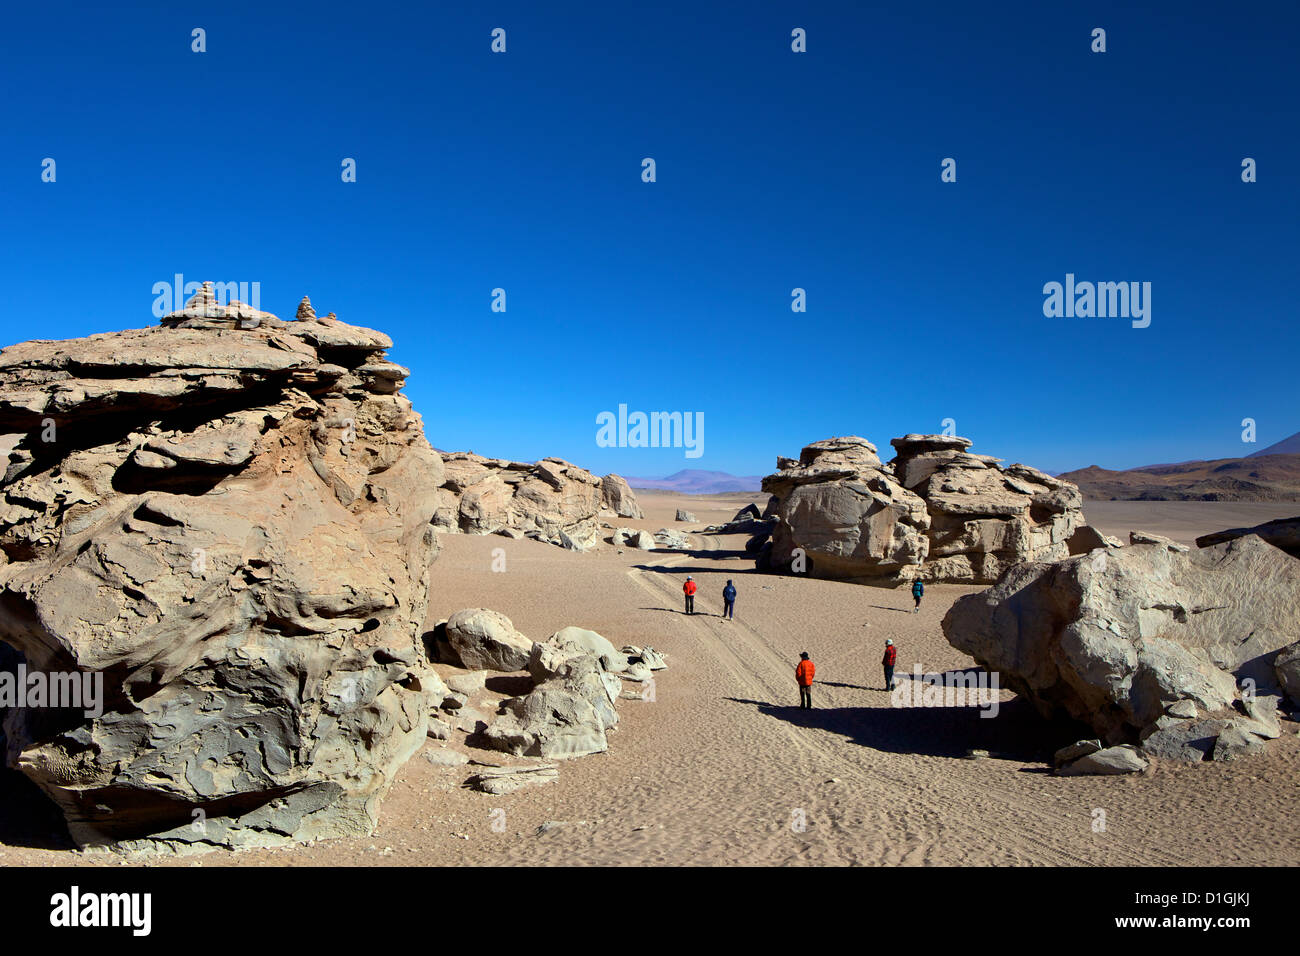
[
  {"x": 227, "y": 517},
  {"x": 1287, "y": 668},
  {"x": 1111, "y": 760},
  {"x": 684, "y": 515},
  {"x": 618, "y": 497},
  {"x": 1114, "y": 638},
  {"x": 674, "y": 540},
  {"x": 487, "y": 640},
  {"x": 502, "y": 780},
  {"x": 469, "y": 683},
  {"x": 1282, "y": 533}
]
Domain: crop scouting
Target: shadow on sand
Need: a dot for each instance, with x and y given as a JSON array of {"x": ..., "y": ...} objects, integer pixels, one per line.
[{"x": 1018, "y": 732}]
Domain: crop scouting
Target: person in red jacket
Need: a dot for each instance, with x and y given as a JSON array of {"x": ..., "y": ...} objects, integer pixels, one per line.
[
  {"x": 803, "y": 675},
  {"x": 689, "y": 590},
  {"x": 890, "y": 659}
]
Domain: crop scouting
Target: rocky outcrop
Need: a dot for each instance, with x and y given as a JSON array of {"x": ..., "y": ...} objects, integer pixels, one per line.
[
  {"x": 846, "y": 514},
  {"x": 1145, "y": 642},
  {"x": 684, "y": 515},
  {"x": 618, "y": 497},
  {"x": 225, "y": 518},
  {"x": 935, "y": 512},
  {"x": 550, "y": 500},
  {"x": 1283, "y": 533},
  {"x": 984, "y": 518}
]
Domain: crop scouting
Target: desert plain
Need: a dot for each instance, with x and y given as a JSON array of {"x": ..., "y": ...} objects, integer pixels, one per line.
[{"x": 722, "y": 768}]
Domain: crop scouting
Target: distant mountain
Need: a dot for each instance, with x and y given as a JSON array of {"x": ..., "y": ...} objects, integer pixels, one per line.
[
  {"x": 1256, "y": 478},
  {"x": 1287, "y": 446},
  {"x": 693, "y": 481}
]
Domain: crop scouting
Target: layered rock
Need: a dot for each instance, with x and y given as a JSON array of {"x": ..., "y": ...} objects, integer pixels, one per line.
[
  {"x": 551, "y": 500},
  {"x": 984, "y": 518},
  {"x": 846, "y": 513},
  {"x": 225, "y": 517},
  {"x": 936, "y": 512},
  {"x": 1145, "y": 643}
]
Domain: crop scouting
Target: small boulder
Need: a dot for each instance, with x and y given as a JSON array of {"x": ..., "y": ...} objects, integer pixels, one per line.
[
  {"x": 486, "y": 640},
  {"x": 684, "y": 515},
  {"x": 1111, "y": 760}
]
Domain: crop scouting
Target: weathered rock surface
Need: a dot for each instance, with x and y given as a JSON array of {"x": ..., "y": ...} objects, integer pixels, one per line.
[
  {"x": 227, "y": 517},
  {"x": 487, "y": 640},
  {"x": 1111, "y": 760},
  {"x": 1287, "y": 668},
  {"x": 502, "y": 780},
  {"x": 1282, "y": 533},
  {"x": 684, "y": 515},
  {"x": 984, "y": 518},
  {"x": 618, "y": 497},
  {"x": 1121, "y": 638},
  {"x": 847, "y": 514},
  {"x": 550, "y": 500},
  {"x": 571, "y": 707},
  {"x": 935, "y": 512}
]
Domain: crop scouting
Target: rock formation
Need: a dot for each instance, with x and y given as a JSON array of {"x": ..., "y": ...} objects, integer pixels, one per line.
[
  {"x": 1148, "y": 643},
  {"x": 936, "y": 512},
  {"x": 551, "y": 500},
  {"x": 847, "y": 514},
  {"x": 1282, "y": 533},
  {"x": 226, "y": 518}
]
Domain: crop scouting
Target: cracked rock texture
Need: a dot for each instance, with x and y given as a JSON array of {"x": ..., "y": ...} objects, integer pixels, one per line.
[
  {"x": 227, "y": 517},
  {"x": 935, "y": 512},
  {"x": 1138, "y": 641},
  {"x": 551, "y": 500}
]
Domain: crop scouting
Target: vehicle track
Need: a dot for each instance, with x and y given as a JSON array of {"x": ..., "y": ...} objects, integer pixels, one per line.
[{"x": 911, "y": 812}]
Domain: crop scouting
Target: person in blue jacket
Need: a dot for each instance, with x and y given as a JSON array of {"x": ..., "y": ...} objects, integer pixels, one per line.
[
  {"x": 917, "y": 590},
  {"x": 729, "y": 601}
]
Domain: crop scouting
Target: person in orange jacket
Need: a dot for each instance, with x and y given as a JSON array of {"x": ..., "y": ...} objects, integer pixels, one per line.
[
  {"x": 890, "y": 659},
  {"x": 803, "y": 675},
  {"x": 689, "y": 590}
]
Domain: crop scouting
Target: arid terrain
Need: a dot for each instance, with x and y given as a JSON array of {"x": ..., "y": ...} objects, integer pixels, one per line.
[
  {"x": 1259, "y": 478},
  {"x": 717, "y": 768}
]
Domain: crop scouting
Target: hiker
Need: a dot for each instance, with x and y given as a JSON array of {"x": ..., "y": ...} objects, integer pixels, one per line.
[
  {"x": 729, "y": 601},
  {"x": 917, "y": 590},
  {"x": 890, "y": 659},
  {"x": 689, "y": 590},
  {"x": 803, "y": 675}
]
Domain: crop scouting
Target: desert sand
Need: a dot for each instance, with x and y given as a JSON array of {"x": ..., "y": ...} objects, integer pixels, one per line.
[{"x": 721, "y": 766}]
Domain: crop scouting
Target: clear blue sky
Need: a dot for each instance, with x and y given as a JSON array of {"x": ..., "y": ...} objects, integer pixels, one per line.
[{"x": 775, "y": 170}]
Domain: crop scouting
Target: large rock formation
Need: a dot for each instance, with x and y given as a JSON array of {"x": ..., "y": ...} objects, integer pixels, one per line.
[
  {"x": 936, "y": 512},
  {"x": 226, "y": 518},
  {"x": 846, "y": 512},
  {"x": 1282, "y": 533},
  {"x": 1139, "y": 641},
  {"x": 550, "y": 500},
  {"x": 984, "y": 518}
]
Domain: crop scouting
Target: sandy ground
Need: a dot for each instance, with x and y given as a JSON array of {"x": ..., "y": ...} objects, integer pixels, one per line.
[{"x": 722, "y": 768}]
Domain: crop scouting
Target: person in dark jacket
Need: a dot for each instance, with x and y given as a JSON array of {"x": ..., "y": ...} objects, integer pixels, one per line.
[
  {"x": 917, "y": 590},
  {"x": 890, "y": 659},
  {"x": 689, "y": 590},
  {"x": 729, "y": 601},
  {"x": 803, "y": 676}
]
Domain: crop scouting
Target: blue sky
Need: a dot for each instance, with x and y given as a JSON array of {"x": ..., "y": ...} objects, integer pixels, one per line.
[{"x": 775, "y": 170}]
